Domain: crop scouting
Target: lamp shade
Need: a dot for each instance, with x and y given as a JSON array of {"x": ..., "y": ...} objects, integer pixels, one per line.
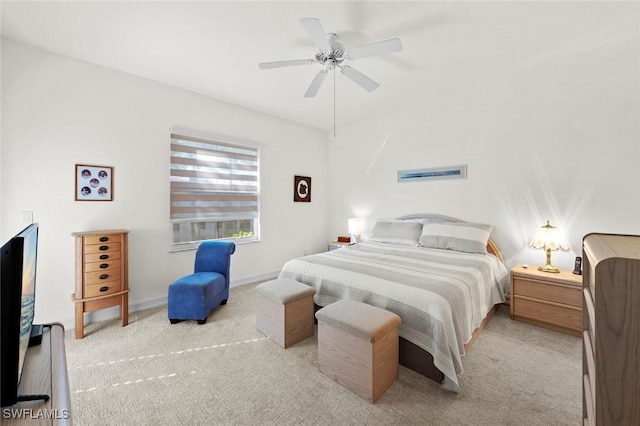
[
  {"x": 548, "y": 238},
  {"x": 355, "y": 226}
]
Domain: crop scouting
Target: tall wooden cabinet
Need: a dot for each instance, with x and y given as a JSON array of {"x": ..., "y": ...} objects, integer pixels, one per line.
[
  {"x": 611, "y": 335},
  {"x": 101, "y": 274}
]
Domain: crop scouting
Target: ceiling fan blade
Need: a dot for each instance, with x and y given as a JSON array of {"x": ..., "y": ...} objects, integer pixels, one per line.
[
  {"x": 315, "y": 84},
  {"x": 379, "y": 48},
  {"x": 280, "y": 64},
  {"x": 359, "y": 78},
  {"x": 317, "y": 33}
]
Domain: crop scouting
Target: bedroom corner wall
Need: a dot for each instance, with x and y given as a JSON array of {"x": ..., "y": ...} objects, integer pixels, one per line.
[
  {"x": 57, "y": 111},
  {"x": 556, "y": 139}
]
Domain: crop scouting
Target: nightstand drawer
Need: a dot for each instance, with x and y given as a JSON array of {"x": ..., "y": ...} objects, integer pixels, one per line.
[
  {"x": 567, "y": 295},
  {"x": 551, "y": 313},
  {"x": 335, "y": 245}
]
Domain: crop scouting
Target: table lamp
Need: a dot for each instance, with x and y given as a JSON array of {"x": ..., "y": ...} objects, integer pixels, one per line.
[
  {"x": 548, "y": 238},
  {"x": 355, "y": 227}
]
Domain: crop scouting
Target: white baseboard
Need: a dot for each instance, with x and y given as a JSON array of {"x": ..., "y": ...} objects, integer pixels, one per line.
[
  {"x": 255, "y": 279},
  {"x": 114, "y": 312}
]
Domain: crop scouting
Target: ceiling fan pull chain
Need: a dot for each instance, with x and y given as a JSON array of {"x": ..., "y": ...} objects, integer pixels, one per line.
[{"x": 334, "y": 102}]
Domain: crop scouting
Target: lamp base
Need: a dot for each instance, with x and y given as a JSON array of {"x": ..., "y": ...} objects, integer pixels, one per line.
[{"x": 549, "y": 268}]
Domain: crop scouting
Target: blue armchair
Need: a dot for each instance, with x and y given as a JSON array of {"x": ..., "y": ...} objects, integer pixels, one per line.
[{"x": 194, "y": 296}]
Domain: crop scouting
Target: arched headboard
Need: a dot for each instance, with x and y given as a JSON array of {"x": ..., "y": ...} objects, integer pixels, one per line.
[{"x": 433, "y": 217}]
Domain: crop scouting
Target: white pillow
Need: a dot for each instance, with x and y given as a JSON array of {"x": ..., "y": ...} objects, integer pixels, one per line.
[
  {"x": 459, "y": 236},
  {"x": 402, "y": 232}
]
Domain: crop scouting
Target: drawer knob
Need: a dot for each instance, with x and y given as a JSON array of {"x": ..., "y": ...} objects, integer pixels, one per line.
[
  {"x": 104, "y": 276},
  {"x": 103, "y": 248},
  {"x": 104, "y": 265},
  {"x": 103, "y": 289},
  {"x": 104, "y": 239},
  {"x": 104, "y": 256}
]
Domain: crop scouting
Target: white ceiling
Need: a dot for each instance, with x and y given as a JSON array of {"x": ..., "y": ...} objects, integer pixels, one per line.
[{"x": 214, "y": 47}]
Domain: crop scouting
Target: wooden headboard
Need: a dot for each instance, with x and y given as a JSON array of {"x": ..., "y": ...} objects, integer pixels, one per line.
[{"x": 432, "y": 217}]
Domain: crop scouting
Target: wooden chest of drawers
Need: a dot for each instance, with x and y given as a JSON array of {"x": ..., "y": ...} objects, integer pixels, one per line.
[
  {"x": 101, "y": 274},
  {"x": 610, "y": 362},
  {"x": 546, "y": 299}
]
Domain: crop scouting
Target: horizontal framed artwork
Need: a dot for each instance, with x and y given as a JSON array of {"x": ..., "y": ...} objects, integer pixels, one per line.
[
  {"x": 433, "y": 173},
  {"x": 94, "y": 183}
]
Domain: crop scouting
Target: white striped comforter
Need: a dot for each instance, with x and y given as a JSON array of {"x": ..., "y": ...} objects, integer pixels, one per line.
[{"x": 440, "y": 295}]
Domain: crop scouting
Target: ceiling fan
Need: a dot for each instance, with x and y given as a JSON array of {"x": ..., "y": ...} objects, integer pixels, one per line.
[{"x": 331, "y": 55}]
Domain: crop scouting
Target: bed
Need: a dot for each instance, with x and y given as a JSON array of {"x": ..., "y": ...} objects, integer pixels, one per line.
[{"x": 445, "y": 278}]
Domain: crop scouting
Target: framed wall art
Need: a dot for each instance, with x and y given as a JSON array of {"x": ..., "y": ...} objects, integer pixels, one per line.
[
  {"x": 302, "y": 189},
  {"x": 434, "y": 173},
  {"x": 94, "y": 183}
]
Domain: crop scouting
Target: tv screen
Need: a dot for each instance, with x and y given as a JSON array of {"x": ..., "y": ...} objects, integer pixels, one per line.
[{"x": 17, "y": 308}]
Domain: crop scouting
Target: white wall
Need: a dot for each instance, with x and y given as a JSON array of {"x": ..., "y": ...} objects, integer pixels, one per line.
[
  {"x": 557, "y": 139},
  {"x": 554, "y": 139},
  {"x": 57, "y": 112}
]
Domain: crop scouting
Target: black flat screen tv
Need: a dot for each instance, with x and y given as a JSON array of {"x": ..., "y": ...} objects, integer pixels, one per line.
[{"x": 17, "y": 306}]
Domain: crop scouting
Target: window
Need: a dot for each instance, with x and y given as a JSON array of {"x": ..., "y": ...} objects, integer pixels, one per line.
[{"x": 214, "y": 190}]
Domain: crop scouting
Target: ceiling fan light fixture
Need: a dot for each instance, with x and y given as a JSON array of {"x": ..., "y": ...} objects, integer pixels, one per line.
[{"x": 330, "y": 54}]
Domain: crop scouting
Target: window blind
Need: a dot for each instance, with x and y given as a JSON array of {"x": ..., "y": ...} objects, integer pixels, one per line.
[{"x": 212, "y": 180}]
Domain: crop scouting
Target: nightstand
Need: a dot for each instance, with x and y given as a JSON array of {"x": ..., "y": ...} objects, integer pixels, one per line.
[
  {"x": 334, "y": 245},
  {"x": 546, "y": 299}
]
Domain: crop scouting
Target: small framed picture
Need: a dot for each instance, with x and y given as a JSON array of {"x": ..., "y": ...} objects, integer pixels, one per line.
[
  {"x": 302, "y": 189},
  {"x": 94, "y": 183}
]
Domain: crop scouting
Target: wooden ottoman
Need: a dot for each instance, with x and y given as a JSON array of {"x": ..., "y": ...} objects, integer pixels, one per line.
[
  {"x": 284, "y": 311},
  {"x": 358, "y": 347}
]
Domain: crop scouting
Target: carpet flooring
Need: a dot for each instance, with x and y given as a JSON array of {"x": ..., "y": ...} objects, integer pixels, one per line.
[{"x": 225, "y": 372}]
